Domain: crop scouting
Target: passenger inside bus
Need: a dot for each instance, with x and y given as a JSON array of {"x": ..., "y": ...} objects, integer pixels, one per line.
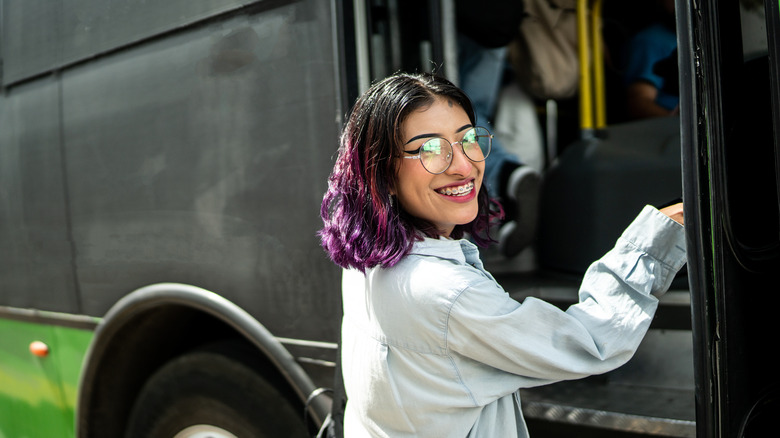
[
  {"x": 648, "y": 93},
  {"x": 481, "y": 68},
  {"x": 432, "y": 345}
]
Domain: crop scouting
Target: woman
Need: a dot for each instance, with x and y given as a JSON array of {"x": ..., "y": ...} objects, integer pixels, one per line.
[{"x": 431, "y": 344}]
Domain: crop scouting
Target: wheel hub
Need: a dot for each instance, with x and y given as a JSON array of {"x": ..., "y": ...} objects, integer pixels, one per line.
[{"x": 204, "y": 431}]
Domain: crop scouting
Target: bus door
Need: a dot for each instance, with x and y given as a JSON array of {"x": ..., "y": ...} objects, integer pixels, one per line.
[{"x": 730, "y": 111}]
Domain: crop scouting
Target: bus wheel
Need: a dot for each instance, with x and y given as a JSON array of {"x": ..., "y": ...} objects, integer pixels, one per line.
[{"x": 211, "y": 394}]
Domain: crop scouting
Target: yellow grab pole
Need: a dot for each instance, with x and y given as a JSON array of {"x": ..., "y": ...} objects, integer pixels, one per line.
[
  {"x": 598, "y": 67},
  {"x": 586, "y": 97}
]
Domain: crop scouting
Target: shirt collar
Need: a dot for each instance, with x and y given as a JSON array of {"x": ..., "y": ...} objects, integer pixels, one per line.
[{"x": 460, "y": 250}]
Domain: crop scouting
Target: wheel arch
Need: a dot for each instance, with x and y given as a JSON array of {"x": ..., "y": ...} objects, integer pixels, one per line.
[{"x": 150, "y": 326}]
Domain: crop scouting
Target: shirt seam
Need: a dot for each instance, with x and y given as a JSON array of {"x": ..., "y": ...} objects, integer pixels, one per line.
[{"x": 455, "y": 367}]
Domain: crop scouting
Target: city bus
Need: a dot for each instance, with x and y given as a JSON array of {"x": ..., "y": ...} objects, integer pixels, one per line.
[{"x": 162, "y": 165}]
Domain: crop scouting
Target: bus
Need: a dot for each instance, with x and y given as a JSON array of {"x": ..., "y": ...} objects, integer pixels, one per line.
[{"x": 162, "y": 165}]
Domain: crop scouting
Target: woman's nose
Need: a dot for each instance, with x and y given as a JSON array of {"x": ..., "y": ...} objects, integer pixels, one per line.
[{"x": 460, "y": 165}]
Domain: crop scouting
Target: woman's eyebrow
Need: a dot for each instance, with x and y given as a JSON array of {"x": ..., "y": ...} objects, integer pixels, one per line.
[{"x": 417, "y": 137}]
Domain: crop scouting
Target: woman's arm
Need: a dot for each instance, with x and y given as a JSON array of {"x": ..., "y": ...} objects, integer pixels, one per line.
[{"x": 538, "y": 342}]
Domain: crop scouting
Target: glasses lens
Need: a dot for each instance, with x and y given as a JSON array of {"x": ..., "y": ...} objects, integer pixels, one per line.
[
  {"x": 477, "y": 143},
  {"x": 436, "y": 155}
]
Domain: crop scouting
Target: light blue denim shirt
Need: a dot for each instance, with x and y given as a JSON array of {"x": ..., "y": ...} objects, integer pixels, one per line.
[{"x": 434, "y": 347}]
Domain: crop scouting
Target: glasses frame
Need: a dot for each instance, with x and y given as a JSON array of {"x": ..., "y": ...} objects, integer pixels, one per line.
[{"x": 416, "y": 153}]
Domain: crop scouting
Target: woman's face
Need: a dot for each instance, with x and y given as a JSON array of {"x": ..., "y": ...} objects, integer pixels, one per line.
[{"x": 423, "y": 194}]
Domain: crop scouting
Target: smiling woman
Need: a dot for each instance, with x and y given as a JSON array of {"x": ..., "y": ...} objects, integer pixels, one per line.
[
  {"x": 441, "y": 189},
  {"x": 431, "y": 344},
  {"x": 378, "y": 204}
]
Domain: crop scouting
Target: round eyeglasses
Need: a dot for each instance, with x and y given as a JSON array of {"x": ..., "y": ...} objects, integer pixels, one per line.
[{"x": 435, "y": 154}]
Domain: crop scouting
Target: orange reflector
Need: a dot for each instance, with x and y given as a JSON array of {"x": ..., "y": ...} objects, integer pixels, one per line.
[{"x": 39, "y": 349}]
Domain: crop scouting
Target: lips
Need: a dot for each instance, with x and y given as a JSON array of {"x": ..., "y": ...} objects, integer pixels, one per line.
[{"x": 461, "y": 190}]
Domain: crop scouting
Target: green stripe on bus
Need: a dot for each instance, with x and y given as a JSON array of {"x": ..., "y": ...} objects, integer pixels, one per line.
[{"x": 38, "y": 394}]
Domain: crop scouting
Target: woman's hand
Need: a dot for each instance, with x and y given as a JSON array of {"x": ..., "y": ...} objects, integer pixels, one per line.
[{"x": 675, "y": 212}]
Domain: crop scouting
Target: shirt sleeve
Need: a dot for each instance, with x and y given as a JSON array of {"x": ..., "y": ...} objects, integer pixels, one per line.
[{"x": 542, "y": 343}]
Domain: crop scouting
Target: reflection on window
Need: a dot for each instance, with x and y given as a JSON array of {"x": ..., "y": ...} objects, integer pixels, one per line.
[{"x": 754, "y": 41}]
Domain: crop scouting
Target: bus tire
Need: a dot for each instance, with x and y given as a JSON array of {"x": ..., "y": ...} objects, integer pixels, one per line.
[{"x": 211, "y": 391}]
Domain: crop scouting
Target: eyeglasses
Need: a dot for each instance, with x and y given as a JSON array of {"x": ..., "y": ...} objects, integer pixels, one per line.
[{"x": 436, "y": 153}]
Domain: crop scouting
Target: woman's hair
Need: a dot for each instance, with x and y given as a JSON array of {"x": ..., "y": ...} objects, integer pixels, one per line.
[{"x": 364, "y": 225}]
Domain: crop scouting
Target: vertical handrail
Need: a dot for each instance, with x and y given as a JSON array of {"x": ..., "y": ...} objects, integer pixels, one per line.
[
  {"x": 586, "y": 92},
  {"x": 593, "y": 112},
  {"x": 362, "y": 45},
  {"x": 449, "y": 40},
  {"x": 598, "y": 67}
]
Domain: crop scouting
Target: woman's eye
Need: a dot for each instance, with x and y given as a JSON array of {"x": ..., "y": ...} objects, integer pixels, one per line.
[{"x": 432, "y": 146}]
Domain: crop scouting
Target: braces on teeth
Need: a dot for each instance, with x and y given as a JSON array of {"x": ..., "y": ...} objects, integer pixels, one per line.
[{"x": 458, "y": 191}]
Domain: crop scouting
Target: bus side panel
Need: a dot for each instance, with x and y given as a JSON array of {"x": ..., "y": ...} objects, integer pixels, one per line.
[
  {"x": 41, "y": 35},
  {"x": 202, "y": 158},
  {"x": 35, "y": 260}
]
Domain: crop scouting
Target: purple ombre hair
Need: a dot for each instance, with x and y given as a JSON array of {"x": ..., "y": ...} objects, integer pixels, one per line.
[{"x": 363, "y": 226}]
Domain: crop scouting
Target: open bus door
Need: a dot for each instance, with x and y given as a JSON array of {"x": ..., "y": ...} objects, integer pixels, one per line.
[
  {"x": 727, "y": 136},
  {"x": 730, "y": 112},
  {"x": 592, "y": 189}
]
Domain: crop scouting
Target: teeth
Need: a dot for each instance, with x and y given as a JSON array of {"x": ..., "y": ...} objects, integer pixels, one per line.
[{"x": 458, "y": 191}]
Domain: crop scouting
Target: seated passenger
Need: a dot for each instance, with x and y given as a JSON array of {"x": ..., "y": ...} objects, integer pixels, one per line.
[
  {"x": 647, "y": 93},
  {"x": 482, "y": 63}
]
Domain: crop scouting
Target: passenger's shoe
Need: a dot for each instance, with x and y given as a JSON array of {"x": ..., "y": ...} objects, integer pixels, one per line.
[{"x": 520, "y": 229}]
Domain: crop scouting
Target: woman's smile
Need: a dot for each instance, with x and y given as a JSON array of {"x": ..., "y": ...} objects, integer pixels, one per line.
[{"x": 461, "y": 192}]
